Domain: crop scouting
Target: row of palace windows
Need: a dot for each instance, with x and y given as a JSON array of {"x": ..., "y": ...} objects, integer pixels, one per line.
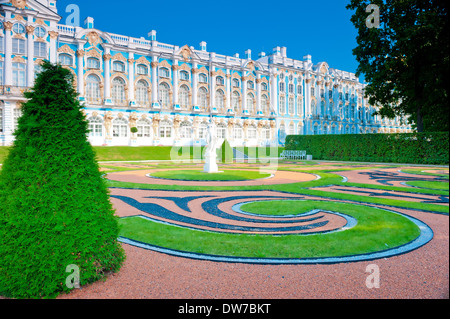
[
  {"x": 19, "y": 28},
  {"x": 19, "y": 47},
  {"x": 120, "y": 129}
]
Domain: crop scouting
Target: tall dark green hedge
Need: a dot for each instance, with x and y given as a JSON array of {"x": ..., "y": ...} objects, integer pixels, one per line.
[
  {"x": 54, "y": 206},
  {"x": 407, "y": 148},
  {"x": 226, "y": 152}
]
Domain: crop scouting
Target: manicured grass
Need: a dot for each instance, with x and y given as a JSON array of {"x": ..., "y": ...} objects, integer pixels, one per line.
[
  {"x": 423, "y": 172},
  {"x": 198, "y": 175},
  {"x": 429, "y": 185},
  {"x": 376, "y": 230},
  {"x": 281, "y": 208}
]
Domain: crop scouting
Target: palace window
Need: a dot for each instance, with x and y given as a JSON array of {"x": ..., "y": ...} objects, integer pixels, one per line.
[
  {"x": 185, "y": 130},
  {"x": 250, "y": 85},
  {"x": 18, "y": 28},
  {"x": 220, "y": 97},
  {"x": 184, "y": 76},
  {"x": 264, "y": 86},
  {"x": 19, "y": 74},
  {"x": 65, "y": 59},
  {"x": 164, "y": 73},
  {"x": 313, "y": 91},
  {"x": 235, "y": 102},
  {"x": 202, "y": 130},
  {"x": 299, "y": 89},
  {"x": 291, "y": 105},
  {"x": 291, "y": 88},
  {"x": 282, "y": 87},
  {"x": 219, "y": 80},
  {"x": 282, "y": 104},
  {"x": 202, "y": 78},
  {"x": 142, "y": 93},
  {"x": 251, "y": 132},
  {"x": 118, "y": 66},
  {"x": 40, "y": 32},
  {"x": 93, "y": 89},
  {"x": 144, "y": 128},
  {"x": 93, "y": 63},
  {"x": 141, "y": 69},
  {"x": 250, "y": 103},
  {"x": 238, "y": 132},
  {"x": 120, "y": 127},
  {"x": 17, "y": 113},
  {"x": 202, "y": 98},
  {"x": 18, "y": 46},
  {"x": 95, "y": 126},
  {"x": 264, "y": 102},
  {"x": 291, "y": 129},
  {"x": 40, "y": 49},
  {"x": 235, "y": 83},
  {"x": 164, "y": 95},
  {"x": 221, "y": 130},
  {"x": 118, "y": 91},
  {"x": 266, "y": 132},
  {"x": 183, "y": 97},
  {"x": 165, "y": 129},
  {"x": 37, "y": 69}
]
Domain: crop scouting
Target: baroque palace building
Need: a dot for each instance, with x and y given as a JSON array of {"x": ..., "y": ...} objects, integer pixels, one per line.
[{"x": 171, "y": 93}]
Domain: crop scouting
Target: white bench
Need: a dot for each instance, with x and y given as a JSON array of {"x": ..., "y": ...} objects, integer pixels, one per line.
[{"x": 293, "y": 154}]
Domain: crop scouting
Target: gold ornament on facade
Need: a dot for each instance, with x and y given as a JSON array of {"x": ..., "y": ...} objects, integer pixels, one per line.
[
  {"x": 66, "y": 49},
  {"x": 19, "y": 4},
  {"x": 8, "y": 26},
  {"x": 186, "y": 53},
  {"x": 30, "y": 29},
  {"x": 93, "y": 38},
  {"x": 106, "y": 57},
  {"x": 53, "y": 35}
]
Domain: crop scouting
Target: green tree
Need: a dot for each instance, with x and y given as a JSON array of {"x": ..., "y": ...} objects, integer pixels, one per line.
[
  {"x": 54, "y": 206},
  {"x": 405, "y": 60}
]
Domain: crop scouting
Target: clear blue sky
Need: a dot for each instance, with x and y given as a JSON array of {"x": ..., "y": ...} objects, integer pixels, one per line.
[{"x": 321, "y": 28}]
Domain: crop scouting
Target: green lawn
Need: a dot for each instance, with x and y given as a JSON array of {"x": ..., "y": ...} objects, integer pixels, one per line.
[
  {"x": 429, "y": 185},
  {"x": 198, "y": 175},
  {"x": 376, "y": 230}
]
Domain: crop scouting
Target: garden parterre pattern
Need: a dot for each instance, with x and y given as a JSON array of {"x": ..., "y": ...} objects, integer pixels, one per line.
[{"x": 420, "y": 273}]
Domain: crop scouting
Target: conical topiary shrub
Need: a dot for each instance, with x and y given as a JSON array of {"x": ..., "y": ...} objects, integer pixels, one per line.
[
  {"x": 55, "y": 211},
  {"x": 226, "y": 152}
]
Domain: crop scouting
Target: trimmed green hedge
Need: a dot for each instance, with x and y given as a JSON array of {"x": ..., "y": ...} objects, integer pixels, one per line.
[{"x": 411, "y": 148}]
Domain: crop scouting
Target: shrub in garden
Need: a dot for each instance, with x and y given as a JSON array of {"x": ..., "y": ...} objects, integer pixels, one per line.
[{"x": 54, "y": 205}]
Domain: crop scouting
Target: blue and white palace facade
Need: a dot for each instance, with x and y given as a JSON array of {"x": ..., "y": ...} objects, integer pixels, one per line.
[{"x": 170, "y": 93}]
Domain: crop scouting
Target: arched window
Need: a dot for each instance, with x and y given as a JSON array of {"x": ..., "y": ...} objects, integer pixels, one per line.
[
  {"x": 235, "y": 83},
  {"x": 118, "y": 66},
  {"x": 264, "y": 104},
  {"x": 93, "y": 89},
  {"x": 40, "y": 32},
  {"x": 300, "y": 129},
  {"x": 250, "y": 85},
  {"x": 184, "y": 76},
  {"x": 144, "y": 128},
  {"x": 264, "y": 86},
  {"x": 221, "y": 130},
  {"x": 282, "y": 131},
  {"x": 185, "y": 129},
  {"x": 164, "y": 95},
  {"x": 18, "y": 28},
  {"x": 291, "y": 129},
  {"x": 202, "y": 78},
  {"x": 65, "y": 59},
  {"x": 250, "y": 103},
  {"x": 322, "y": 108},
  {"x": 95, "y": 126},
  {"x": 219, "y": 80},
  {"x": 291, "y": 107},
  {"x": 165, "y": 129},
  {"x": 203, "y": 98},
  {"x": 183, "y": 97},
  {"x": 93, "y": 63},
  {"x": 291, "y": 88},
  {"x": 164, "y": 73},
  {"x": 118, "y": 91},
  {"x": 220, "y": 96},
  {"x": 282, "y": 104},
  {"x": 313, "y": 107},
  {"x": 120, "y": 127},
  {"x": 141, "y": 69},
  {"x": 142, "y": 93},
  {"x": 266, "y": 132},
  {"x": 235, "y": 102}
]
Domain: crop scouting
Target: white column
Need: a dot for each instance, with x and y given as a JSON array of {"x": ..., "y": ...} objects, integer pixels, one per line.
[
  {"x": 194, "y": 84},
  {"x": 274, "y": 90},
  {"x": 212, "y": 84},
  {"x": 107, "y": 62},
  {"x": 8, "y": 51},
  {"x": 228, "y": 88},
  {"x": 80, "y": 68},
  {"x": 30, "y": 53},
  {"x": 244, "y": 94},
  {"x": 131, "y": 91},
  {"x": 154, "y": 65},
  {"x": 53, "y": 48},
  {"x": 175, "y": 69},
  {"x": 258, "y": 95}
]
